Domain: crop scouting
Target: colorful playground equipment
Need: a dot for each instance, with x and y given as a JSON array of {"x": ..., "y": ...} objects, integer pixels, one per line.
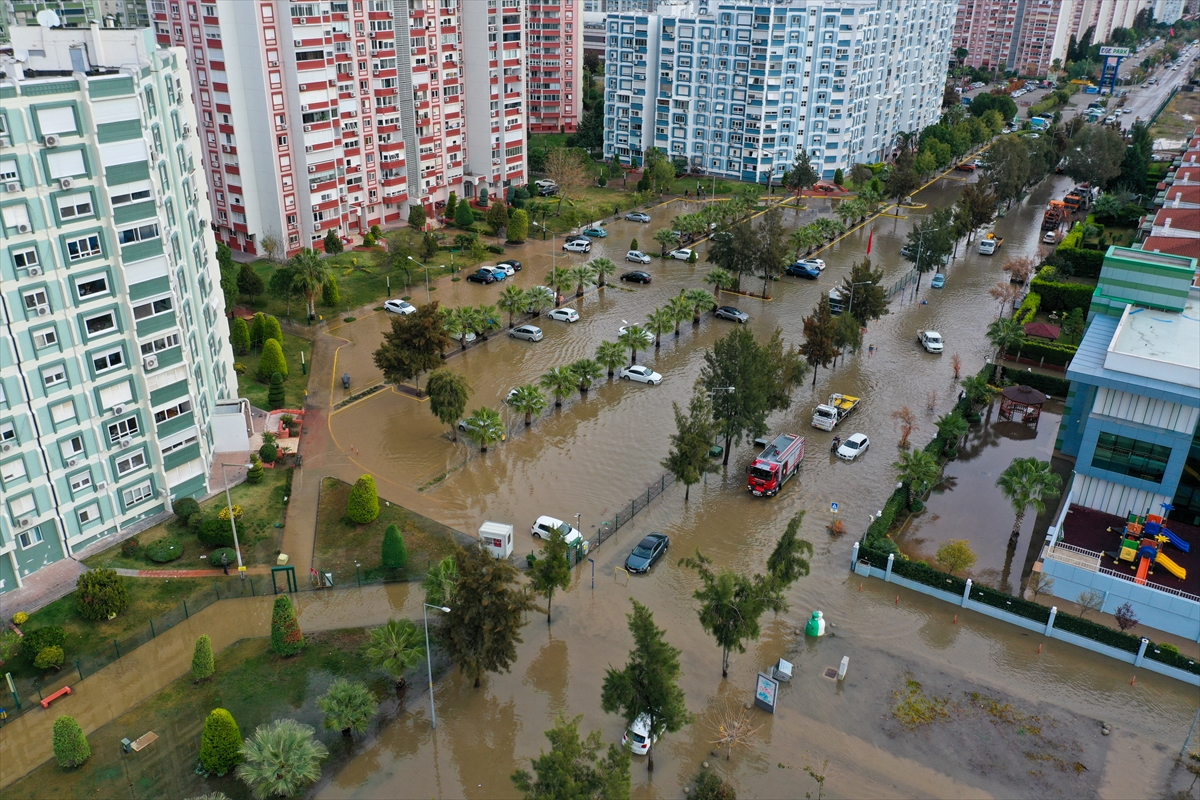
[{"x": 1142, "y": 544}]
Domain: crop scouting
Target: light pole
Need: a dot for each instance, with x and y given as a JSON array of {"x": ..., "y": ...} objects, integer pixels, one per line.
[
  {"x": 850, "y": 305},
  {"x": 429, "y": 659},
  {"x": 232, "y": 523},
  {"x": 419, "y": 264}
]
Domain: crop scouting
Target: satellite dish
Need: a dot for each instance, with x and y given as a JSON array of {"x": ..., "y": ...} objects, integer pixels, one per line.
[
  {"x": 20, "y": 56},
  {"x": 48, "y": 19}
]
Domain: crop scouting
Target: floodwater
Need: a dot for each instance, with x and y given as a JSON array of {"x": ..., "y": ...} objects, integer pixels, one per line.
[{"x": 596, "y": 452}]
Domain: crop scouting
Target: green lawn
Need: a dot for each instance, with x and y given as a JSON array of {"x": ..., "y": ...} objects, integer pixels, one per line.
[
  {"x": 340, "y": 543},
  {"x": 262, "y": 508},
  {"x": 295, "y": 386},
  {"x": 251, "y": 682}
]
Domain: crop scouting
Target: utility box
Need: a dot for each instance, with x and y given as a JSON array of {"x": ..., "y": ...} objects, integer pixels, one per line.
[{"x": 496, "y": 538}]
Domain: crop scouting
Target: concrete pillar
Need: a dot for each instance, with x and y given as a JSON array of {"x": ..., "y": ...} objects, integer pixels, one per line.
[
  {"x": 888, "y": 575},
  {"x": 854, "y": 556},
  {"x": 1050, "y": 622},
  {"x": 1141, "y": 654},
  {"x": 966, "y": 593}
]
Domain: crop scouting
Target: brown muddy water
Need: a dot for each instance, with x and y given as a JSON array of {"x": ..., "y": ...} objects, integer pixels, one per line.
[{"x": 595, "y": 453}]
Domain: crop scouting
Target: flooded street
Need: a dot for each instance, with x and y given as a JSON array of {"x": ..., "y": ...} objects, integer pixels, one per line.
[{"x": 595, "y": 453}]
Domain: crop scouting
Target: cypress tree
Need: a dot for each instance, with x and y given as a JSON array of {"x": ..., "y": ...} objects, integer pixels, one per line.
[
  {"x": 256, "y": 472},
  {"x": 330, "y": 296},
  {"x": 286, "y": 637},
  {"x": 221, "y": 742},
  {"x": 394, "y": 552},
  {"x": 272, "y": 361},
  {"x": 258, "y": 330},
  {"x": 71, "y": 747},
  {"x": 239, "y": 336},
  {"x": 451, "y": 205},
  {"x": 272, "y": 329},
  {"x": 363, "y": 504},
  {"x": 464, "y": 217},
  {"x": 276, "y": 398},
  {"x": 202, "y": 660}
]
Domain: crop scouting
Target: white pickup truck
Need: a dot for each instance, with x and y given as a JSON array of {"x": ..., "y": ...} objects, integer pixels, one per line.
[{"x": 931, "y": 341}]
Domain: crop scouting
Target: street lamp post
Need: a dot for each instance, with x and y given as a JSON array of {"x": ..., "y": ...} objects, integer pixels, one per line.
[
  {"x": 233, "y": 524},
  {"x": 429, "y": 660},
  {"x": 419, "y": 264},
  {"x": 850, "y": 305}
]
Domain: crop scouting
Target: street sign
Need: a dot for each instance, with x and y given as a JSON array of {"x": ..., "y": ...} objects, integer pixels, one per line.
[
  {"x": 1119, "y": 52},
  {"x": 833, "y": 507}
]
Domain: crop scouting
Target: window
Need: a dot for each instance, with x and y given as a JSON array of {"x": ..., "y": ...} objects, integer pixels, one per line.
[
  {"x": 122, "y": 429},
  {"x": 164, "y": 343},
  {"x": 190, "y": 438},
  {"x": 90, "y": 287},
  {"x": 65, "y": 164},
  {"x": 12, "y": 470},
  {"x": 108, "y": 360},
  {"x": 100, "y": 323},
  {"x": 52, "y": 376},
  {"x": 86, "y": 247},
  {"x": 47, "y": 337},
  {"x": 1131, "y": 457},
  {"x": 139, "y": 234},
  {"x": 63, "y": 412},
  {"x": 57, "y": 120},
  {"x": 24, "y": 259},
  {"x": 115, "y": 395},
  {"x": 8, "y": 432},
  {"x": 35, "y": 301},
  {"x": 137, "y": 494},
  {"x": 73, "y": 206},
  {"x": 16, "y": 216},
  {"x": 30, "y": 538},
  {"x": 131, "y": 462},
  {"x": 81, "y": 481},
  {"x": 71, "y": 448},
  {"x": 171, "y": 412},
  {"x": 88, "y": 514},
  {"x": 132, "y": 196},
  {"x": 152, "y": 308},
  {"x": 8, "y": 172}
]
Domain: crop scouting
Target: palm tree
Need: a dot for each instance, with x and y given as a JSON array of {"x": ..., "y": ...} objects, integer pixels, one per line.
[
  {"x": 489, "y": 320},
  {"x": 395, "y": 647},
  {"x": 348, "y": 707},
  {"x": 665, "y": 238},
  {"x": 1027, "y": 482},
  {"x": 582, "y": 275},
  {"x": 660, "y": 321},
  {"x": 978, "y": 390},
  {"x": 829, "y": 228},
  {"x": 560, "y": 382},
  {"x": 441, "y": 582},
  {"x": 603, "y": 267},
  {"x": 918, "y": 471},
  {"x": 515, "y": 301},
  {"x": 681, "y": 308},
  {"x": 844, "y": 212},
  {"x": 635, "y": 338},
  {"x": 1005, "y": 334},
  {"x": 485, "y": 427},
  {"x": 539, "y": 299},
  {"x": 701, "y": 301},
  {"x": 310, "y": 275},
  {"x": 611, "y": 356},
  {"x": 720, "y": 279},
  {"x": 556, "y": 279},
  {"x": 281, "y": 759},
  {"x": 587, "y": 371},
  {"x": 951, "y": 427},
  {"x": 529, "y": 400},
  {"x": 454, "y": 325}
]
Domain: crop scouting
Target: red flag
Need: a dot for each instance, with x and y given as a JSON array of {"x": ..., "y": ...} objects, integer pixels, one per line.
[{"x": 870, "y": 239}]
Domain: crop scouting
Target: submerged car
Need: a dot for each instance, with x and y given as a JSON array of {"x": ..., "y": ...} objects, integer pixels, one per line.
[
  {"x": 637, "y": 216},
  {"x": 546, "y": 526},
  {"x": 530, "y": 333},
  {"x": 802, "y": 270},
  {"x": 647, "y": 552},
  {"x": 484, "y": 276},
  {"x": 512, "y": 263},
  {"x": 853, "y": 447},
  {"x": 637, "y": 736},
  {"x": 637, "y": 257},
  {"x": 595, "y": 233},
  {"x": 636, "y": 276},
  {"x": 399, "y": 307},
  {"x": 938, "y": 281},
  {"x": 682, "y": 254},
  {"x": 732, "y": 313},
  {"x": 578, "y": 246},
  {"x": 564, "y": 315},
  {"x": 641, "y": 374}
]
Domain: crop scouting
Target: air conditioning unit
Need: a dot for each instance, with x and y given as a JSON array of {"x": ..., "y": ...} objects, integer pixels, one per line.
[
  {"x": 101, "y": 486},
  {"x": 34, "y": 271},
  {"x": 24, "y": 523},
  {"x": 118, "y": 410},
  {"x": 50, "y": 140},
  {"x": 298, "y": 42},
  {"x": 375, "y": 71},
  {"x": 24, "y": 228},
  {"x": 5, "y": 447},
  {"x": 150, "y": 362},
  {"x": 74, "y": 462},
  {"x": 153, "y": 156},
  {"x": 43, "y": 310},
  {"x": 187, "y": 131},
  {"x": 126, "y": 442},
  {"x": 309, "y": 148},
  {"x": 66, "y": 183},
  {"x": 304, "y": 108},
  {"x": 312, "y": 169},
  {"x": 307, "y": 128},
  {"x": 12, "y": 187},
  {"x": 202, "y": 223}
]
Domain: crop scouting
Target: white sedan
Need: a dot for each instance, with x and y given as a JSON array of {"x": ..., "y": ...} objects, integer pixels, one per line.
[
  {"x": 813, "y": 262},
  {"x": 503, "y": 267},
  {"x": 682, "y": 254},
  {"x": 564, "y": 314},
  {"x": 399, "y": 307},
  {"x": 853, "y": 447},
  {"x": 641, "y": 375}
]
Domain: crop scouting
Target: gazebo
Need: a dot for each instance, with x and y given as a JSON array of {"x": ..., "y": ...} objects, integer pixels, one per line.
[
  {"x": 1043, "y": 330},
  {"x": 1023, "y": 400}
]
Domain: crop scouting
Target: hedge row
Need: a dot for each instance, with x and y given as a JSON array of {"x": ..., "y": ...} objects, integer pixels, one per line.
[
  {"x": 1084, "y": 263},
  {"x": 1172, "y": 659},
  {"x": 921, "y": 572},
  {"x": 1029, "y": 308},
  {"x": 1097, "y": 632},
  {"x": 1062, "y": 296},
  {"x": 1046, "y": 384},
  {"x": 1074, "y": 237},
  {"x": 1048, "y": 352},
  {"x": 877, "y": 532},
  {"x": 1022, "y": 608}
]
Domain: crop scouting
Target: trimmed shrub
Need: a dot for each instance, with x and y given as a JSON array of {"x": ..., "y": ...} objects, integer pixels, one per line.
[
  {"x": 1023, "y": 608},
  {"x": 221, "y": 742},
  {"x": 1029, "y": 308},
  {"x": 363, "y": 504},
  {"x": 273, "y": 330},
  {"x": 164, "y": 550},
  {"x": 518, "y": 226},
  {"x": 184, "y": 507},
  {"x": 330, "y": 295},
  {"x": 921, "y": 572},
  {"x": 1046, "y": 384},
  {"x": 883, "y": 523},
  {"x": 464, "y": 217},
  {"x": 451, "y": 205},
  {"x": 256, "y": 472},
  {"x": 394, "y": 552},
  {"x": 214, "y": 558},
  {"x": 268, "y": 452},
  {"x": 286, "y": 637},
  {"x": 49, "y": 657},
  {"x": 272, "y": 361},
  {"x": 36, "y": 641},
  {"x": 1097, "y": 632},
  {"x": 239, "y": 336},
  {"x": 101, "y": 594},
  {"x": 332, "y": 242},
  {"x": 1047, "y": 352},
  {"x": 1169, "y": 654},
  {"x": 416, "y": 215},
  {"x": 196, "y": 520},
  {"x": 1062, "y": 296},
  {"x": 71, "y": 747},
  {"x": 215, "y": 533},
  {"x": 1083, "y": 263},
  {"x": 20, "y": 618},
  {"x": 368, "y": 241},
  {"x": 276, "y": 394},
  {"x": 130, "y": 547},
  {"x": 203, "y": 665}
]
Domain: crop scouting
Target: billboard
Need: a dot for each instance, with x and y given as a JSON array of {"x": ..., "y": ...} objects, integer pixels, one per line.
[{"x": 1118, "y": 52}]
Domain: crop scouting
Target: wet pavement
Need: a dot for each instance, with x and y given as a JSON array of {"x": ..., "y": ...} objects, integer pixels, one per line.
[{"x": 592, "y": 455}]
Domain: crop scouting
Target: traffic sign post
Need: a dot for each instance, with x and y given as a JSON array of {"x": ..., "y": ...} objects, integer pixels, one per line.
[{"x": 833, "y": 507}]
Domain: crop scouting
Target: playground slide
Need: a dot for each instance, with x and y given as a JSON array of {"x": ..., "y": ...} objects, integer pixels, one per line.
[
  {"x": 1175, "y": 540},
  {"x": 1171, "y": 566},
  {"x": 1143, "y": 568}
]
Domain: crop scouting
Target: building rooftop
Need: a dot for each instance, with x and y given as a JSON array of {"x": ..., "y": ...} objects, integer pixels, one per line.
[
  {"x": 1182, "y": 219},
  {"x": 1090, "y": 363},
  {"x": 1187, "y": 175},
  {"x": 1158, "y": 344},
  {"x": 1187, "y": 193},
  {"x": 1172, "y": 245}
]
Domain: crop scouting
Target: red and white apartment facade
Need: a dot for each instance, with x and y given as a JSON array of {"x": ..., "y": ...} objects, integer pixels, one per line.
[
  {"x": 554, "y": 36},
  {"x": 318, "y": 115}
]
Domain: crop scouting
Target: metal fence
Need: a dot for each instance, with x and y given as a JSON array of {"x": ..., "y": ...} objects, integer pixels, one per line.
[{"x": 629, "y": 511}]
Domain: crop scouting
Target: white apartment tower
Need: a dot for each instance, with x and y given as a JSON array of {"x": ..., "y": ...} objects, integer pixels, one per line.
[
  {"x": 736, "y": 90},
  {"x": 114, "y": 347}
]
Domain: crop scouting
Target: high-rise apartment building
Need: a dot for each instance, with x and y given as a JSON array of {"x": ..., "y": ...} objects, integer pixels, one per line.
[
  {"x": 737, "y": 89},
  {"x": 554, "y": 43},
  {"x": 114, "y": 348}
]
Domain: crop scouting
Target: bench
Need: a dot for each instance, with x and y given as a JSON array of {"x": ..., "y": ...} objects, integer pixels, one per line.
[
  {"x": 46, "y": 701},
  {"x": 144, "y": 741}
]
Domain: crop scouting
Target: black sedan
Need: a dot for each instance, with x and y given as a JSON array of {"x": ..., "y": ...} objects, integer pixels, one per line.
[
  {"x": 647, "y": 552},
  {"x": 482, "y": 276},
  {"x": 512, "y": 262},
  {"x": 636, "y": 276}
]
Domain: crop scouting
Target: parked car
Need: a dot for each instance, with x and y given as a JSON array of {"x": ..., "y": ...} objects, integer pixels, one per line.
[
  {"x": 648, "y": 550},
  {"x": 640, "y": 374},
  {"x": 637, "y": 257},
  {"x": 731, "y": 313},
  {"x": 682, "y": 254},
  {"x": 530, "y": 333},
  {"x": 649, "y": 337},
  {"x": 497, "y": 272},
  {"x": 595, "y": 233},
  {"x": 564, "y": 315},
  {"x": 399, "y": 307},
  {"x": 545, "y": 526},
  {"x": 636, "y": 276},
  {"x": 457, "y": 336},
  {"x": 465, "y": 426},
  {"x": 637, "y": 216},
  {"x": 482, "y": 276},
  {"x": 813, "y": 262},
  {"x": 637, "y": 736},
  {"x": 802, "y": 270},
  {"x": 511, "y": 262},
  {"x": 853, "y": 447},
  {"x": 507, "y": 268},
  {"x": 939, "y": 280},
  {"x": 577, "y": 246}
]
